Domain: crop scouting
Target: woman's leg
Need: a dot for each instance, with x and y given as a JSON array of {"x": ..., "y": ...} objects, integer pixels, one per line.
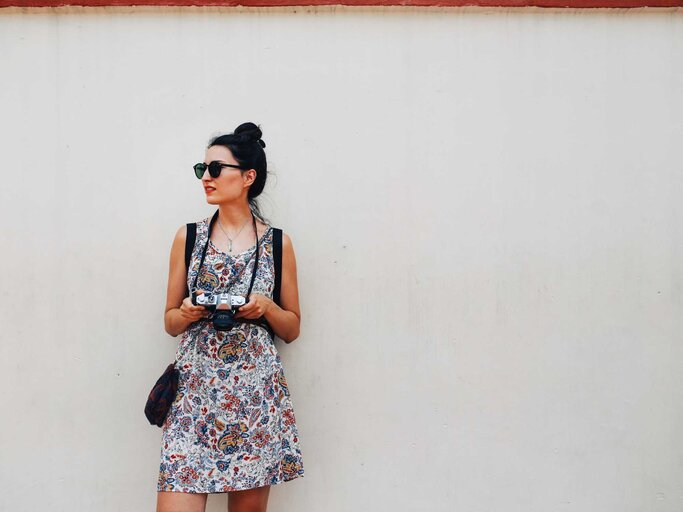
[
  {"x": 251, "y": 500},
  {"x": 180, "y": 502}
]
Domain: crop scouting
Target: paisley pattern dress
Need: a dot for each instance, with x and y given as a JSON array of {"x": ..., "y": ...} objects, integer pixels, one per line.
[{"x": 231, "y": 426}]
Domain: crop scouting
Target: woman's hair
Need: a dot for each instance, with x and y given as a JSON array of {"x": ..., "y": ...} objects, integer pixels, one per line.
[{"x": 246, "y": 146}]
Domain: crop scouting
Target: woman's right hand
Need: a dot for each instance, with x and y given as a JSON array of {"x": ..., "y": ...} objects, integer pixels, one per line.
[{"x": 192, "y": 313}]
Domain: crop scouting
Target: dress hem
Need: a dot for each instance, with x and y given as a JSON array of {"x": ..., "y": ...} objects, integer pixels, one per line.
[{"x": 231, "y": 489}]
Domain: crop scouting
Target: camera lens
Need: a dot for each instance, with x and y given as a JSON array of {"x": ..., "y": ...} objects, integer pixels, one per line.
[{"x": 223, "y": 320}]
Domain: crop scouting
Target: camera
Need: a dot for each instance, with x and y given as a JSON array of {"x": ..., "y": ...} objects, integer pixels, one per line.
[{"x": 223, "y": 318}]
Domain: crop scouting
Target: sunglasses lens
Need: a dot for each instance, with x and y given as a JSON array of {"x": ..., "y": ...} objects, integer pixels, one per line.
[
  {"x": 215, "y": 169},
  {"x": 199, "y": 170}
]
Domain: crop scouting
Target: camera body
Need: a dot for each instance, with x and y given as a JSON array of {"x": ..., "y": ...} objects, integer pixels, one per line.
[{"x": 223, "y": 318}]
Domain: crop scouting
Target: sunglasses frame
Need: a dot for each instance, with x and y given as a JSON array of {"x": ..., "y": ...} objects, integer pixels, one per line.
[{"x": 201, "y": 167}]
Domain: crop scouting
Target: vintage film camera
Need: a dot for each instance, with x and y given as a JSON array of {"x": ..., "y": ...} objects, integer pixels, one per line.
[{"x": 223, "y": 318}]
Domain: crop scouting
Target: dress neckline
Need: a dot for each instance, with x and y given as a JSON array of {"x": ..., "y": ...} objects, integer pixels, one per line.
[{"x": 234, "y": 255}]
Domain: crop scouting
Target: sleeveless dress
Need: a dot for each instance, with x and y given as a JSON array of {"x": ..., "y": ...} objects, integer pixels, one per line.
[{"x": 231, "y": 426}]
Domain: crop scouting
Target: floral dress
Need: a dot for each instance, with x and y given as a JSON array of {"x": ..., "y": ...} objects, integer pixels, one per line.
[{"x": 231, "y": 426}]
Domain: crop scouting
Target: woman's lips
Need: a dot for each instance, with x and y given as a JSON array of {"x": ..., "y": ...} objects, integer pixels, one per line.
[{"x": 208, "y": 190}]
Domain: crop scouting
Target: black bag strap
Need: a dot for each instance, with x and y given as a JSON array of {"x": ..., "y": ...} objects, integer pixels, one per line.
[
  {"x": 277, "y": 271},
  {"x": 189, "y": 246},
  {"x": 277, "y": 259}
]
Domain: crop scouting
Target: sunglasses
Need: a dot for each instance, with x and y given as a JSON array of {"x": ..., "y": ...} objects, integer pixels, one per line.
[{"x": 214, "y": 168}]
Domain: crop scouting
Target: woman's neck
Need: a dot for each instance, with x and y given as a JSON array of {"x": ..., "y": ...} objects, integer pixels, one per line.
[{"x": 233, "y": 216}]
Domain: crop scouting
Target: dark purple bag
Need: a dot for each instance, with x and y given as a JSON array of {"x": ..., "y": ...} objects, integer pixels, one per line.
[{"x": 162, "y": 396}]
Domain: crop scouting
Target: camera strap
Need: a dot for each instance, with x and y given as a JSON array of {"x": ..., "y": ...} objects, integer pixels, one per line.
[
  {"x": 277, "y": 257},
  {"x": 206, "y": 244},
  {"x": 277, "y": 260}
]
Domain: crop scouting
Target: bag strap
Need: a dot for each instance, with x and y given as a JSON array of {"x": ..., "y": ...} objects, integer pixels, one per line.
[
  {"x": 189, "y": 246},
  {"x": 277, "y": 271},
  {"x": 277, "y": 260}
]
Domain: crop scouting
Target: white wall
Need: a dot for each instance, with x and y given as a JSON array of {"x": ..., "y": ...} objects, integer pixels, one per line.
[{"x": 486, "y": 210}]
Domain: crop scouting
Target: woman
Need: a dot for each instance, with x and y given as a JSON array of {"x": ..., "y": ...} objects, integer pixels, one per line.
[{"x": 231, "y": 427}]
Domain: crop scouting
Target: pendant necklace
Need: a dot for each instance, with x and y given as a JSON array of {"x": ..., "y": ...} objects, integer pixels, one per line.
[{"x": 226, "y": 235}]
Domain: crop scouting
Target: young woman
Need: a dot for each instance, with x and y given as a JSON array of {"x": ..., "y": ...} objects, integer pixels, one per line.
[{"x": 231, "y": 427}]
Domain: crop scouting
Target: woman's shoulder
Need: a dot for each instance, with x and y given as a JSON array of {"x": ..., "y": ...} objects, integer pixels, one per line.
[
  {"x": 285, "y": 239},
  {"x": 181, "y": 232}
]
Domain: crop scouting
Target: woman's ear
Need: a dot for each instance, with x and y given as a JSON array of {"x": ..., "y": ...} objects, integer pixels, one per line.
[{"x": 250, "y": 175}]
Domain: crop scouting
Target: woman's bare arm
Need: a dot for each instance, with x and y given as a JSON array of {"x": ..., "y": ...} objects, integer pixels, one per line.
[{"x": 180, "y": 312}]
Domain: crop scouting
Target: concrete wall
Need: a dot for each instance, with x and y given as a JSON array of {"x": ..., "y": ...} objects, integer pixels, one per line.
[{"x": 486, "y": 210}]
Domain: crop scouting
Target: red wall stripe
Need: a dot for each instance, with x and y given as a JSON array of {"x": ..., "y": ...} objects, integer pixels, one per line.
[{"x": 583, "y": 4}]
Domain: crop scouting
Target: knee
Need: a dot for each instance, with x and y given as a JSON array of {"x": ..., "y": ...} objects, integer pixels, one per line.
[
  {"x": 246, "y": 506},
  {"x": 248, "y": 501},
  {"x": 181, "y": 502},
  {"x": 250, "y": 504}
]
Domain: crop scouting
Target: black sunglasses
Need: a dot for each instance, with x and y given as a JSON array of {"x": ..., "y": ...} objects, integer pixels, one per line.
[{"x": 214, "y": 168}]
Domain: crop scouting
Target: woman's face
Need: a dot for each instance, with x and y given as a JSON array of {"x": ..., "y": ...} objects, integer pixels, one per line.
[{"x": 231, "y": 184}]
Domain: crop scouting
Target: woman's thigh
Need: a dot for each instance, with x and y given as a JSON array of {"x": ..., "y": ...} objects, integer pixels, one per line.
[
  {"x": 251, "y": 500},
  {"x": 180, "y": 502}
]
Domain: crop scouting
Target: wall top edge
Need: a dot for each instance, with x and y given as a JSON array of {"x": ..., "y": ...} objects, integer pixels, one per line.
[{"x": 544, "y": 5}]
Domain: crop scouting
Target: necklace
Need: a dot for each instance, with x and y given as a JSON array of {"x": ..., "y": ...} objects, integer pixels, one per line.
[{"x": 226, "y": 235}]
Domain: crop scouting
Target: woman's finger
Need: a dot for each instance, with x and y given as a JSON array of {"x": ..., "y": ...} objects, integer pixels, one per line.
[{"x": 246, "y": 308}]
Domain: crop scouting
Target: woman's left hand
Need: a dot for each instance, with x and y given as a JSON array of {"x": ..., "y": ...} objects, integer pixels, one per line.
[{"x": 256, "y": 307}]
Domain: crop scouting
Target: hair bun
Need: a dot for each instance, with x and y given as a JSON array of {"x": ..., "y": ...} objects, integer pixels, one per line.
[{"x": 249, "y": 132}]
